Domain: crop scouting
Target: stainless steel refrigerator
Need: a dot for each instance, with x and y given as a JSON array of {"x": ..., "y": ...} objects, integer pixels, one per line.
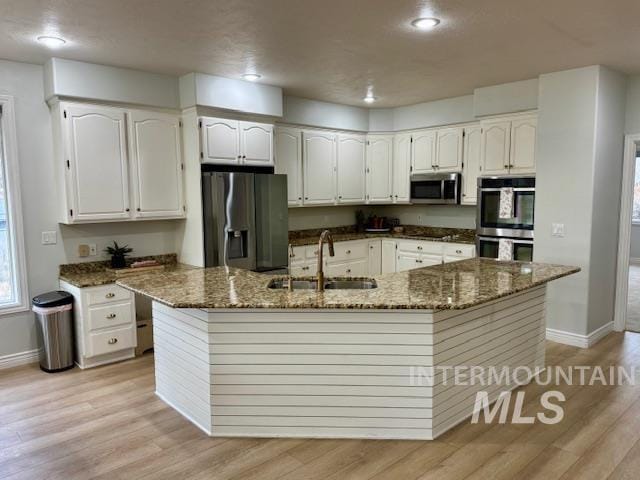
[{"x": 246, "y": 221}]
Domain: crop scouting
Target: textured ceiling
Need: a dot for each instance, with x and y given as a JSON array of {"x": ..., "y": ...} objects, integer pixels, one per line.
[{"x": 334, "y": 50}]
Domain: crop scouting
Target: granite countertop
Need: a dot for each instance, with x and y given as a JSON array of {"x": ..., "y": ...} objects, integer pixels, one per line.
[
  {"x": 94, "y": 274},
  {"x": 455, "y": 285},
  {"x": 412, "y": 232}
]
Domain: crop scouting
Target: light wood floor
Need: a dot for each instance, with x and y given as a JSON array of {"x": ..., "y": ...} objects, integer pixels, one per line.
[{"x": 107, "y": 423}]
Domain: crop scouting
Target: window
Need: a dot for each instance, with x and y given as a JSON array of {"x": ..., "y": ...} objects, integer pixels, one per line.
[
  {"x": 13, "y": 291},
  {"x": 635, "y": 217}
]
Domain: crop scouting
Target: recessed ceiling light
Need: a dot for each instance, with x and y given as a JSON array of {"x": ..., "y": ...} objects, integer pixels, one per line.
[
  {"x": 369, "y": 99},
  {"x": 252, "y": 77},
  {"x": 51, "y": 42},
  {"x": 426, "y": 23}
]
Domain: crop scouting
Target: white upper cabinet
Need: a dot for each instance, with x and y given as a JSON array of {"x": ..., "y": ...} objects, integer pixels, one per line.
[
  {"x": 401, "y": 167},
  {"x": 523, "y": 145},
  {"x": 424, "y": 151},
  {"x": 256, "y": 147},
  {"x": 233, "y": 142},
  {"x": 97, "y": 178},
  {"x": 379, "y": 168},
  {"x": 496, "y": 141},
  {"x": 471, "y": 168},
  {"x": 350, "y": 171},
  {"x": 220, "y": 141},
  {"x": 319, "y": 158},
  {"x": 289, "y": 161},
  {"x": 156, "y": 164},
  {"x": 449, "y": 149}
]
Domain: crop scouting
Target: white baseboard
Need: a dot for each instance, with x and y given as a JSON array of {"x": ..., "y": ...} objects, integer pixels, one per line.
[
  {"x": 633, "y": 325},
  {"x": 634, "y": 261},
  {"x": 577, "y": 340},
  {"x": 17, "y": 359}
]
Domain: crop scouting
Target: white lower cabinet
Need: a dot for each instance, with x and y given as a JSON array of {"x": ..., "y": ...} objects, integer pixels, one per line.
[
  {"x": 104, "y": 323},
  {"x": 355, "y": 258}
]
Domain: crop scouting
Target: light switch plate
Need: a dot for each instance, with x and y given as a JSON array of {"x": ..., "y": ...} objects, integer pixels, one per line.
[
  {"x": 93, "y": 250},
  {"x": 557, "y": 229},
  {"x": 49, "y": 238}
]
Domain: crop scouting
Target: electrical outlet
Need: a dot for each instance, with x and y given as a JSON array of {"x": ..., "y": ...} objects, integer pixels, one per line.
[
  {"x": 49, "y": 238},
  {"x": 557, "y": 229},
  {"x": 83, "y": 250},
  {"x": 93, "y": 250}
]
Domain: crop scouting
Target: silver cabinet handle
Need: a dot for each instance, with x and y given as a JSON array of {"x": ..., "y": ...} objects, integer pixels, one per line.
[
  {"x": 112, "y": 341},
  {"x": 418, "y": 261},
  {"x": 419, "y": 247},
  {"x": 111, "y": 315},
  {"x": 110, "y": 295},
  {"x": 348, "y": 270},
  {"x": 348, "y": 252},
  {"x": 458, "y": 251}
]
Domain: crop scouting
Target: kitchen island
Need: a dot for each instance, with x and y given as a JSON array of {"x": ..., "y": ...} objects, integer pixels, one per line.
[{"x": 241, "y": 359}]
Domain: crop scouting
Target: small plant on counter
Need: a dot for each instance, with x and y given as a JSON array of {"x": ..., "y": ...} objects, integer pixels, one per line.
[{"x": 118, "y": 255}]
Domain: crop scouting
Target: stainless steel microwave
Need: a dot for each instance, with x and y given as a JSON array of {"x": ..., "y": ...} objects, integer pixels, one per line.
[{"x": 435, "y": 188}]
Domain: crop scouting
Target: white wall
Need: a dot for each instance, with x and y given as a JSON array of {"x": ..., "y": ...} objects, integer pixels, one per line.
[
  {"x": 302, "y": 111},
  {"x": 635, "y": 242},
  {"x": 89, "y": 81},
  {"x": 507, "y": 97},
  {"x": 632, "y": 116},
  {"x": 607, "y": 182},
  {"x": 433, "y": 114},
  {"x": 580, "y": 124},
  {"x": 35, "y": 155}
]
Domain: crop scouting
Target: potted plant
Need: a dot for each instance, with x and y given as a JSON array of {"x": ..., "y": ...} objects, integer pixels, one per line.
[{"x": 118, "y": 255}]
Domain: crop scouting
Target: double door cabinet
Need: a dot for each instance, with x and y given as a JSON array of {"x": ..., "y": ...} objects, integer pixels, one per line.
[
  {"x": 235, "y": 142},
  {"x": 509, "y": 146},
  {"x": 117, "y": 164},
  {"x": 355, "y": 258}
]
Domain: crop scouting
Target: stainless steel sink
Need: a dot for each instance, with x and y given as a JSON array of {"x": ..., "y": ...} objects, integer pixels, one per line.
[{"x": 329, "y": 284}]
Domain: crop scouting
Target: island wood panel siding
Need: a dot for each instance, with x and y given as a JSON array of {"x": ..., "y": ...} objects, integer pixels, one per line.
[{"x": 338, "y": 373}]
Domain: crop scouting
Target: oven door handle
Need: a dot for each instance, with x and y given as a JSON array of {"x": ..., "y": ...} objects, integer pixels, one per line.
[{"x": 497, "y": 239}]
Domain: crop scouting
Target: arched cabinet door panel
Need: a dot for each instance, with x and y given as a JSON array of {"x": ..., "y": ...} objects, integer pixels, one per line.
[
  {"x": 156, "y": 165},
  {"x": 97, "y": 163}
]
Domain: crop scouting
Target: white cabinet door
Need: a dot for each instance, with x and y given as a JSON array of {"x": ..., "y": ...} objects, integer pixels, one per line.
[
  {"x": 319, "y": 157},
  {"x": 350, "y": 169},
  {"x": 449, "y": 149},
  {"x": 256, "y": 143},
  {"x": 303, "y": 269},
  {"x": 97, "y": 163},
  {"x": 375, "y": 257},
  {"x": 496, "y": 139},
  {"x": 407, "y": 261},
  {"x": 379, "y": 168},
  {"x": 388, "y": 260},
  {"x": 156, "y": 164},
  {"x": 289, "y": 162},
  {"x": 523, "y": 145},
  {"x": 424, "y": 151},
  {"x": 471, "y": 168},
  {"x": 220, "y": 139},
  {"x": 401, "y": 167}
]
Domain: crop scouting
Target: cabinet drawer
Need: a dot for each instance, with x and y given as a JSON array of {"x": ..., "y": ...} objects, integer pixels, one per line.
[
  {"x": 417, "y": 246},
  {"x": 107, "y": 294},
  {"x": 460, "y": 249},
  {"x": 346, "y": 251},
  {"x": 357, "y": 268},
  {"x": 110, "y": 315},
  {"x": 112, "y": 340}
]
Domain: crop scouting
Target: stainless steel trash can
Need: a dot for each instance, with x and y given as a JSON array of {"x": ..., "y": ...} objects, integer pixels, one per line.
[{"x": 54, "y": 324}]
